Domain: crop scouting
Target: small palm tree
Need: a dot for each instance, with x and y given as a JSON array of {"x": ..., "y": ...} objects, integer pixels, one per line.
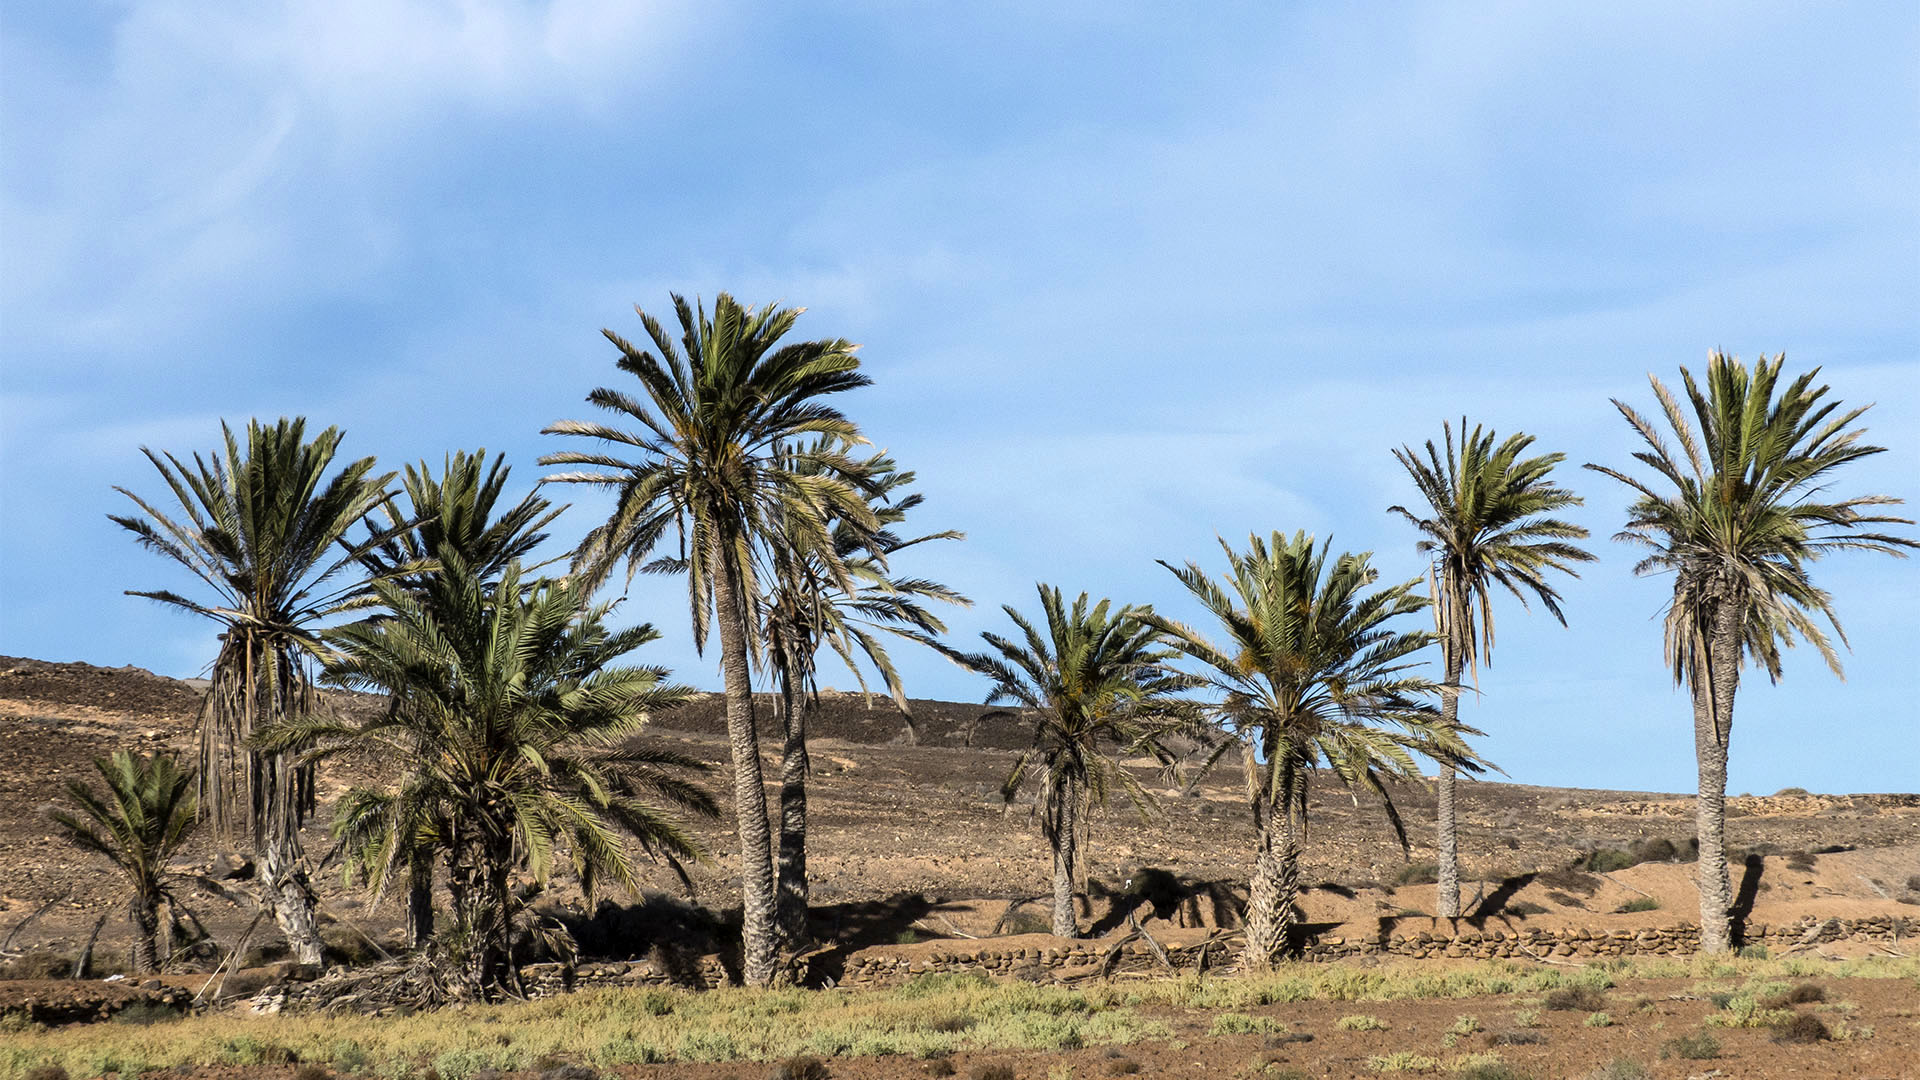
[
  {"x": 511, "y": 724},
  {"x": 260, "y": 528},
  {"x": 1489, "y": 526},
  {"x": 1737, "y": 518},
  {"x": 1311, "y": 678},
  {"x": 807, "y": 609},
  {"x": 1095, "y": 679},
  {"x": 454, "y": 512},
  {"x": 710, "y": 432},
  {"x": 146, "y": 817},
  {"x": 449, "y": 516}
]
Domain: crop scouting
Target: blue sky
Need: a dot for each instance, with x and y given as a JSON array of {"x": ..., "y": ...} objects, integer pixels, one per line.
[{"x": 1126, "y": 277}]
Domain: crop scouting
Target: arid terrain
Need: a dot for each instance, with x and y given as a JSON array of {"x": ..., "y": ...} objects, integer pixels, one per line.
[{"x": 915, "y": 854}]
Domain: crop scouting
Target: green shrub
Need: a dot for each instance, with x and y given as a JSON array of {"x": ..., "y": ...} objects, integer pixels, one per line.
[
  {"x": 1600, "y": 1019},
  {"x": 1753, "y": 952},
  {"x": 1607, "y": 860},
  {"x": 1620, "y": 1069},
  {"x": 1523, "y": 908},
  {"x": 1242, "y": 1024},
  {"x": 1640, "y": 903},
  {"x": 1361, "y": 1023}
]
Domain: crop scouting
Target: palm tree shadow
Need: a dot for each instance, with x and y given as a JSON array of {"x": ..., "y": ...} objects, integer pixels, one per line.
[
  {"x": 1742, "y": 907},
  {"x": 1495, "y": 902}
]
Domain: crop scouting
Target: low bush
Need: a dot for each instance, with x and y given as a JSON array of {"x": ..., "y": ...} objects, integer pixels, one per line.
[
  {"x": 1803, "y": 1028},
  {"x": 1640, "y": 903},
  {"x": 1417, "y": 874},
  {"x": 1361, "y": 1023},
  {"x": 1607, "y": 860},
  {"x": 992, "y": 1072},
  {"x": 803, "y": 1068},
  {"x": 1600, "y": 1019},
  {"x": 1516, "y": 1038},
  {"x": 1803, "y": 994},
  {"x": 1242, "y": 1024},
  {"x": 1620, "y": 1069},
  {"x": 1753, "y": 952},
  {"x": 1576, "y": 999},
  {"x": 1695, "y": 1046},
  {"x": 1654, "y": 849},
  {"x": 1523, "y": 908}
]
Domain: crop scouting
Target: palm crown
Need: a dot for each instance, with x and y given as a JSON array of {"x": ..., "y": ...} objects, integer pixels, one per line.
[
  {"x": 1743, "y": 517},
  {"x": 1488, "y": 527},
  {"x": 710, "y": 428}
]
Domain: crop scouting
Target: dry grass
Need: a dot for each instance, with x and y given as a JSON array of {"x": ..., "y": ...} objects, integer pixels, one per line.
[{"x": 616, "y": 1027}]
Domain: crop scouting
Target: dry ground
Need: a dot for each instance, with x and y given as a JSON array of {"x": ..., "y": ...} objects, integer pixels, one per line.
[{"x": 911, "y": 840}]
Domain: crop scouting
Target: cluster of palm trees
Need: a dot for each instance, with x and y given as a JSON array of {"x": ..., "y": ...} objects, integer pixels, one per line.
[{"x": 509, "y": 712}]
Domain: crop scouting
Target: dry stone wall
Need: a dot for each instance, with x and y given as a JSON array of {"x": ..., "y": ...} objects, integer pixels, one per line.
[{"x": 1065, "y": 960}]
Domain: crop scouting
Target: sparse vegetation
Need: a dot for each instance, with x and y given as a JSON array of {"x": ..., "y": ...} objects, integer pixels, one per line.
[
  {"x": 1801, "y": 1028},
  {"x": 1361, "y": 1022},
  {"x": 1640, "y": 903},
  {"x": 1576, "y": 999},
  {"x": 1693, "y": 1046}
]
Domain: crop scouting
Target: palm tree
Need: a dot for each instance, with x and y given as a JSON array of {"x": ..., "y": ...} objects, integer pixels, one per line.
[
  {"x": 709, "y": 431},
  {"x": 1489, "y": 526},
  {"x": 259, "y": 528},
  {"x": 1095, "y": 678},
  {"x": 454, "y": 512},
  {"x": 1744, "y": 519},
  {"x": 1311, "y": 677},
  {"x": 451, "y": 516},
  {"x": 807, "y": 609},
  {"x": 510, "y": 722},
  {"x": 147, "y": 816}
]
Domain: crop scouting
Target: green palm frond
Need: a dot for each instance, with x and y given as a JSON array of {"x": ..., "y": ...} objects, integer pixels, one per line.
[
  {"x": 1488, "y": 524},
  {"x": 1742, "y": 511}
]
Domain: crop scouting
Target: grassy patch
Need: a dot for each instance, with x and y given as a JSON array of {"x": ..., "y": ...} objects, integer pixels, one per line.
[
  {"x": 1640, "y": 903},
  {"x": 1361, "y": 1023}
]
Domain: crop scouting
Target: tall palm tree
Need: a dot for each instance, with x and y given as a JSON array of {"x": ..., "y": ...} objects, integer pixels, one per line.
[
  {"x": 1311, "y": 677},
  {"x": 1737, "y": 518},
  {"x": 146, "y": 817},
  {"x": 510, "y": 722},
  {"x": 807, "y": 609},
  {"x": 710, "y": 425},
  {"x": 1095, "y": 679},
  {"x": 451, "y": 516},
  {"x": 1489, "y": 526},
  {"x": 260, "y": 527}
]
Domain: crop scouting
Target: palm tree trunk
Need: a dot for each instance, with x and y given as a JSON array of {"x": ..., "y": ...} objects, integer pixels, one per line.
[
  {"x": 1447, "y": 843},
  {"x": 794, "y": 766},
  {"x": 283, "y": 886},
  {"x": 477, "y": 878},
  {"x": 1065, "y": 854},
  {"x": 757, "y": 897},
  {"x": 420, "y": 902},
  {"x": 1273, "y": 894},
  {"x": 146, "y": 929},
  {"x": 1712, "y": 732}
]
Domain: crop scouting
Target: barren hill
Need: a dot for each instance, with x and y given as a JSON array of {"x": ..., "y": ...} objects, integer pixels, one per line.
[{"x": 910, "y": 819}]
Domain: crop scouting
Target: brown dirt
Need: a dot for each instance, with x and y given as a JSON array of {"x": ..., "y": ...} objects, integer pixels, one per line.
[{"x": 912, "y": 837}]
